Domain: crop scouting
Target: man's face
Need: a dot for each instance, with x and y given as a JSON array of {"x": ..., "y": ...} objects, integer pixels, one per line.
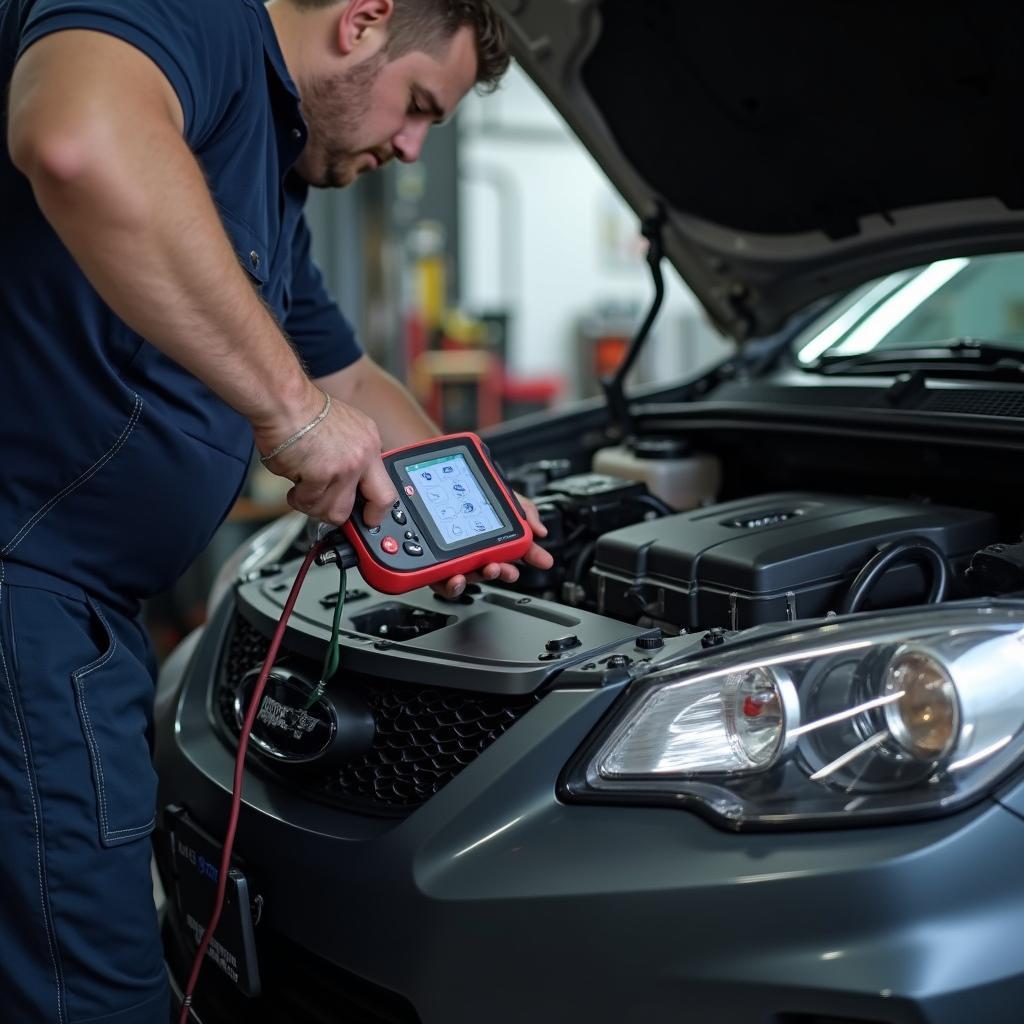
[{"x": 376, "y": 110}]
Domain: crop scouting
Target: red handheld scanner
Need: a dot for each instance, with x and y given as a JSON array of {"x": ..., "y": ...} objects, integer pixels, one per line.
[{"x": 455, "y": 513}]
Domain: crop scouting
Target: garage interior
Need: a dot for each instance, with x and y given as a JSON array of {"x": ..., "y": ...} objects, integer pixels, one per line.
[{"x": 745, "y": 744}]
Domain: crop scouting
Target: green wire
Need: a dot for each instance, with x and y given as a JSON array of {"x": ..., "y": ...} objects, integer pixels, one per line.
[{"x": 333, "y": 655}]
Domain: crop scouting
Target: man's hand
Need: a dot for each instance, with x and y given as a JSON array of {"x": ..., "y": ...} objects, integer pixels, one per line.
[
  {"x": 338, "y": 457},
  {"x": 536, "y": 556}
]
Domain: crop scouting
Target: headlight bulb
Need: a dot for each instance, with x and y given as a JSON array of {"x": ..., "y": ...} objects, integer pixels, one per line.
[
  {"x": 755, "y": 715},
  {"x": 924, "y": 715}
]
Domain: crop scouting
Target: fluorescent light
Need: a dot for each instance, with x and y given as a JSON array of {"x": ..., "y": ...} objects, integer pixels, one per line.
[
  {"x": 850, "y": 318},
  {"x": 895, "y": 310}
]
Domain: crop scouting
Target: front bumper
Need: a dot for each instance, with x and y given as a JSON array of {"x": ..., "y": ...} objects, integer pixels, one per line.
[{"x": 495, "y": 901}]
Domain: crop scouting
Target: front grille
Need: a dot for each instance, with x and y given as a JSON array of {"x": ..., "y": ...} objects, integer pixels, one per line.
[{"x": 425, "y": 735}]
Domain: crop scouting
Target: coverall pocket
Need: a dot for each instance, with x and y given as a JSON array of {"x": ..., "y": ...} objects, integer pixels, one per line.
[{"x": 113, "y": 694}]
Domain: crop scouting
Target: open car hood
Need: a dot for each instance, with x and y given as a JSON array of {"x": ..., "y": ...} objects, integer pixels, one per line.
[{"x": 797, "y": 149}]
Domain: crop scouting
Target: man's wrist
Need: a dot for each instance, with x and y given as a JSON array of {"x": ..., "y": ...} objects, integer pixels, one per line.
[
  {"x": 300, "y": 433},
  {"x": 289, "y": 406}
]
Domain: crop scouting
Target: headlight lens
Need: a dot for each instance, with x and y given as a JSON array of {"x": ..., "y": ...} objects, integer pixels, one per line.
[
  {"x": 908, "y": 715},
  {"x": 735, "y": 723}
]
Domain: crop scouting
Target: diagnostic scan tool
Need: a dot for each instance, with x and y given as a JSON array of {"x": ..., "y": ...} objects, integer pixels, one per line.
[{"x": 454, "y": 514}]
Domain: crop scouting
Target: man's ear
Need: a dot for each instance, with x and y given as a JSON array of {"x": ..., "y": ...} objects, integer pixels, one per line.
[{"x": 362, "y": 20}]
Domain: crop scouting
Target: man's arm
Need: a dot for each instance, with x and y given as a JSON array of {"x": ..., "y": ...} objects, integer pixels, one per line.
[
  {"x": 371, "y": 389},
  {"x": 96, "y": 128}
]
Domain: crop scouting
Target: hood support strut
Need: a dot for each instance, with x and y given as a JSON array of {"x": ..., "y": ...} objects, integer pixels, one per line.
[{"x": 614, "y": 387}]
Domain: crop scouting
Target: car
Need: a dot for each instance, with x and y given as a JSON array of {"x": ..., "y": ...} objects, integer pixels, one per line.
[{"x": 751, "y": 753}]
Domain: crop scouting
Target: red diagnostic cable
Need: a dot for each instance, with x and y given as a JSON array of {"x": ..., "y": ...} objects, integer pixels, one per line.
[{"x": 236, "y": 792}]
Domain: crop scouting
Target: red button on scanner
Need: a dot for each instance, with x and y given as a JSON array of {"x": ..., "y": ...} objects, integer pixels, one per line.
[
  {"x": 390, "y": 545},
  {"x": 410, "y": 490}
]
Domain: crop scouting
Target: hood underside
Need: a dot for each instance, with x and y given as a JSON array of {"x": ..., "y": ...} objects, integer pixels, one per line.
[{"x": 797, "y": 149}]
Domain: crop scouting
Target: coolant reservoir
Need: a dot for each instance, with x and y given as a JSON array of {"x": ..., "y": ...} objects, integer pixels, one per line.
[{"x": 669, "y": 467}]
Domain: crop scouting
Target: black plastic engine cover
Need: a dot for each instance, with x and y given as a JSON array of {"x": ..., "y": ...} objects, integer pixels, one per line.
[{"x": 772, "y": 558}]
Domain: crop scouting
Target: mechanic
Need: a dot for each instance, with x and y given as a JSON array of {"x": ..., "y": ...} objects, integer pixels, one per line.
[{"x": 154, "y": 266}]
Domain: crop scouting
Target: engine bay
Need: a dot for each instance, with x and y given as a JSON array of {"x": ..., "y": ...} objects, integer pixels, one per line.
[
  {"x": 623, "y": 552},
  {"x": 430, "y": 681},
  {"x": 629, "y": 569}
]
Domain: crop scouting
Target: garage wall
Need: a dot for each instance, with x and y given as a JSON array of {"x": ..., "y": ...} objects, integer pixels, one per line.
[{"x": 544, "y": 234}]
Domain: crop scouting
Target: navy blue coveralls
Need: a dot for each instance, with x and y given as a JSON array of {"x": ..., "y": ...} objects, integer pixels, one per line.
[{"x": 118, "y": 466}]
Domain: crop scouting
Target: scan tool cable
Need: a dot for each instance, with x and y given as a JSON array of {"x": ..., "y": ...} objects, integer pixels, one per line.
[
  {"x": 333, "y": 655},
  {"x": 315, "y": 553}
]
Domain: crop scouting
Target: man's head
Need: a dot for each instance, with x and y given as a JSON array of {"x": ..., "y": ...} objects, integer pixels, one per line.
[{"x": 374, "y": 75}]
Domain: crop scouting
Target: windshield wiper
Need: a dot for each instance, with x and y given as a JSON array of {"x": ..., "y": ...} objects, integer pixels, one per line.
[{"x": 952, "y": 357}]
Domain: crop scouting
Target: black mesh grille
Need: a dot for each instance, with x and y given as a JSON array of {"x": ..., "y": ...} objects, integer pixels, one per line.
[
  {"x": 425, "y": 735},
  {"x": 975, "y": 403}
]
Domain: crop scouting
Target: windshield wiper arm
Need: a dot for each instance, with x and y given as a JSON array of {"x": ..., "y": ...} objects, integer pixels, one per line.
[{"x": 971, "y": 354}]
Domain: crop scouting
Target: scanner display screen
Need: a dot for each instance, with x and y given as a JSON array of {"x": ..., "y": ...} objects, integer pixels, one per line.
[{"x": 452, "y": 497}]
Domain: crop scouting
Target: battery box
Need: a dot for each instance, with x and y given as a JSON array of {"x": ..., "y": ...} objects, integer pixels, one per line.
[{"x": 772, "y": 558}]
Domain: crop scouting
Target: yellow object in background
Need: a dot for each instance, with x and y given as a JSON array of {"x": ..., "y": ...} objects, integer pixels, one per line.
[
  {"x": 465, "y": 331},
  {"x": 430, "y": 273}
]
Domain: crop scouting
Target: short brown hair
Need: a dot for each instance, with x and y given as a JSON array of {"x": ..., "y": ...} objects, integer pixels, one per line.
[{"x": 428, "y": 25}]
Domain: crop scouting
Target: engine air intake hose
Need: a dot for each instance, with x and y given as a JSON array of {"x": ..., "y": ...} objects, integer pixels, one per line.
[{"x": 915, "y": 549}]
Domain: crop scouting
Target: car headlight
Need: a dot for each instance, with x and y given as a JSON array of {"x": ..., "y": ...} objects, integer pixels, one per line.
[
  {"x": 264, "y": 547},
  {"x": 914, "y": 714}
]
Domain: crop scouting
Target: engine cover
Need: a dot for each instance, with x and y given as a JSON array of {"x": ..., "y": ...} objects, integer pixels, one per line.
[{"x": 772, "y": 558}]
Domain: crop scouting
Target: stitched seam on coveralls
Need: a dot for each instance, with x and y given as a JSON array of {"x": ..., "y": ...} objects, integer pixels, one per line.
[
  {"x": 75, "y": 484},
  {"x": 51, "y": 938},
  {"x": 33, "y": 793},
  {"x": 101, "y": 783}
]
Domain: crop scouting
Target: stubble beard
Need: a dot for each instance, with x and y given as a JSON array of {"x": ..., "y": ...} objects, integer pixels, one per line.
[{"x": 334, "y": 111}]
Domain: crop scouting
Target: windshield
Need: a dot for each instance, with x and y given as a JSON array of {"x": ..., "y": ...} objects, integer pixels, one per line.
[{"x": 969, "y": 297}]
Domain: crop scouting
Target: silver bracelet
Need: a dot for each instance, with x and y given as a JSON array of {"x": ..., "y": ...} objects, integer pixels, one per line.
[{"x": 299, "y": 434}]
